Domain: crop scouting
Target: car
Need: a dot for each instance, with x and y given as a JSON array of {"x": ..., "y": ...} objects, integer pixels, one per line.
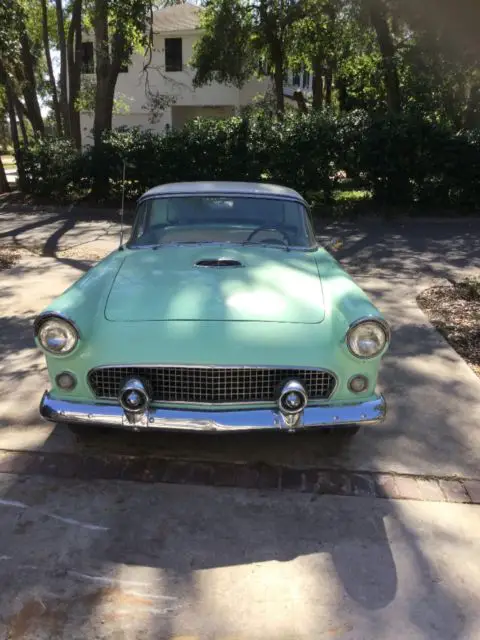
[{"x": 220, "y": 313}]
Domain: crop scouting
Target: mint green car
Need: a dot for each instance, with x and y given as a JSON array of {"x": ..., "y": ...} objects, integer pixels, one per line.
[{"x": 221, "y": 313}]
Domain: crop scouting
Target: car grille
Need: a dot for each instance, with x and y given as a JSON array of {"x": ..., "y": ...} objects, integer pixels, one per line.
[{"x": 210, "y": 385}]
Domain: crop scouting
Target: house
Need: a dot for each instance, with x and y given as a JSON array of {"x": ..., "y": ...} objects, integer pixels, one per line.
[{"x": 168, "y": 80}]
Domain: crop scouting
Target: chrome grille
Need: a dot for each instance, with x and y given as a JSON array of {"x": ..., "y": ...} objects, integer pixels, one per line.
[{"x": 210, "y": 385}]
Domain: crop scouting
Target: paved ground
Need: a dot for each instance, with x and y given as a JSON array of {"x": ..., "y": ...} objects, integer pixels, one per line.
[
  {"x": 84, "y": 558},
  {"x": 434, "y": 397},
  {"x": 121, "y": 560}
]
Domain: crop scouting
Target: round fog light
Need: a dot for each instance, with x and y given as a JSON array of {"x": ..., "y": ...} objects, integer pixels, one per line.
[
  {"x": 66, "y": 381},
  {"x": 357, "y": 384}
]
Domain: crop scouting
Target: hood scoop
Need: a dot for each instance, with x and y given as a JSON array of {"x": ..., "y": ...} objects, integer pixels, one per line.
[{"x": 218, "y": 262}]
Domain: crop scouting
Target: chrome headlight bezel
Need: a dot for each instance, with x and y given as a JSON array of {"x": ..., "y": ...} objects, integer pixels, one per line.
[
  {"x": 359, "y": 324},
  {"x": 66, "y": 324}
]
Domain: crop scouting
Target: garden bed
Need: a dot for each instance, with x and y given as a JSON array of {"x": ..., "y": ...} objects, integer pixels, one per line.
[{"x": 454, "y": 310}]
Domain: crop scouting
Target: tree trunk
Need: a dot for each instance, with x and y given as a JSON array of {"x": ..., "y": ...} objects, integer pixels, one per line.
[
  {"x": 4, "y": 186},
  {"x": 19, "y": 108},
  {"x": 74, "y": 56},
  {"x": 102, "y": 118},
  {"x": 301, "y": 102},
  {"x": 63, "y": 67},
  {"x": 48, "y": 57},
  {"x": 378, "y": 17},
  {"x": 317, "y": 85},
  {"x": 328, "y": 86},
  {"x": 29, "y": 83},
  {"x": 342, "y": 94},
  {"x": 278, "y": 61},
  {"x": 472, "y": 112},
  {"x": 14, "y": 135},
  {"x": 21, "y": 115}
]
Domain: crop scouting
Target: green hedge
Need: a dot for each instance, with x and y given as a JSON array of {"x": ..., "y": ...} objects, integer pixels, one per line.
[{"x": 405, "y": 160}]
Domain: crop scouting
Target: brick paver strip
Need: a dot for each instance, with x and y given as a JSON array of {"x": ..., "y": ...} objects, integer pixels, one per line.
[
  {"x": 473, "y": 490},
  {"x": 454, "y": 491},
  {"x": 430, "y": 490},
  {"x": 247, "y": 476}
]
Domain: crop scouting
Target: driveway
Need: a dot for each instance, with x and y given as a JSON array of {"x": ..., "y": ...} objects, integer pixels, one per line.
[
  {"x": 119, "y": 560},
  {"x": 433, "y": 396},
  {"x": 107, "y": 559}
]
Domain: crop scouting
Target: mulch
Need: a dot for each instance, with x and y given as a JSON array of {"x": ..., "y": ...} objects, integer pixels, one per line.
[
  {"x": 454, "y": 310},
  {"x": 8, "y": 257}
]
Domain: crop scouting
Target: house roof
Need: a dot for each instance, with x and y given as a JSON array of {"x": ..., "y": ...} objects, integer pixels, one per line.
[
  {"x": 257, "y": 189},
  {"x": 178, "y": 17}
]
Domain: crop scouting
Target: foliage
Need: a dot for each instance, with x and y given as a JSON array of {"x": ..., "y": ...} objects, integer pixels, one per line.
[
  {"x": 55, "y": 168},
  {"x": 226, "y": 53},
  {"x": 405, "y": 160}
]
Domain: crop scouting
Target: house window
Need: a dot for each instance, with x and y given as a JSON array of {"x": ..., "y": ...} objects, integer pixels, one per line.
[
  {"x": 88, "y": 64},
  {"x": 306, "y": 79},
  {"x": 296, "y": 79},
  {"x": 173, "y": 54}
]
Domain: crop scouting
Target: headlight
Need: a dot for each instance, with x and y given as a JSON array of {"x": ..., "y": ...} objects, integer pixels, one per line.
[
  {"x": 367, "y": 338},
  {"x": 57, "y": 335}
]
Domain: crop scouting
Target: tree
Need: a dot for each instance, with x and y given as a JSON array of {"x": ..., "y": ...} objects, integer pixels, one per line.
[
  {"x": 74, "y": 61},
  {"x": 378, "y": 13},
  {"x": 119, "y": 26},
  {"x": 315, "y": 46},
  {"x": 239, "y": 34},
  {"x": 63, "y": 66},
  {"x": 51, "y": 76}
]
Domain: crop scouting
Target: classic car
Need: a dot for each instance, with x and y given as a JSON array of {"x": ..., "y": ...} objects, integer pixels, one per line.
[{"x": 220, "y": 313}]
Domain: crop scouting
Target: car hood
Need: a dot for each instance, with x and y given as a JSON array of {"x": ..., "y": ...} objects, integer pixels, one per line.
[{"x": 267, "y": 284}]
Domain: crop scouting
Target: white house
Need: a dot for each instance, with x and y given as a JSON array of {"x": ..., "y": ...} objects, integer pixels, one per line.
[{"x": 176, "y": 29}]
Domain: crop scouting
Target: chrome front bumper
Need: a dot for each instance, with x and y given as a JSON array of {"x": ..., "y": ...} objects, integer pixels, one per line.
[{"x": 112, "y": 415}]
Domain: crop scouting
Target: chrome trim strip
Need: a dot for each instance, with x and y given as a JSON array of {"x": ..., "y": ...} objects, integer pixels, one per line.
[
  {"x": 45, "y": 315},
  {"x": 219, "y": 366},
  {"x": 385, "y": 326},
  {"x": 371, "y": 411}
]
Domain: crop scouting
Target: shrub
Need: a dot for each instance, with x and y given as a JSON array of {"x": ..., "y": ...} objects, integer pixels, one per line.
[
  {"x": 399, "y": 160},
  {"x": 55, "y": 168}
]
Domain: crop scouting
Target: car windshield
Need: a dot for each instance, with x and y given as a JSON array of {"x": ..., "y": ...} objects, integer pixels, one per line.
[{"x": 275, "y": 222}]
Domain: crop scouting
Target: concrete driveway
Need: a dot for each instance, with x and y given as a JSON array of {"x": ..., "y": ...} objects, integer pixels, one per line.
[
  {"x": 108, "y": 559},
  {"x": 433, "y": 396}
]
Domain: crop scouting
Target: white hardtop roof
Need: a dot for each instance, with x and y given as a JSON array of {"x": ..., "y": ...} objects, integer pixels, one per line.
[{"x": 257, "y": 189}]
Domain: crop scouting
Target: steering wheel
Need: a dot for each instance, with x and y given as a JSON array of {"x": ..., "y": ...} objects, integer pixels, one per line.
[{"x": 255, "y": 231}]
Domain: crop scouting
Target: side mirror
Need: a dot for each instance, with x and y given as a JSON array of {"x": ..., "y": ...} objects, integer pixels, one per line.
[{"x": 334, "y": 245}]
